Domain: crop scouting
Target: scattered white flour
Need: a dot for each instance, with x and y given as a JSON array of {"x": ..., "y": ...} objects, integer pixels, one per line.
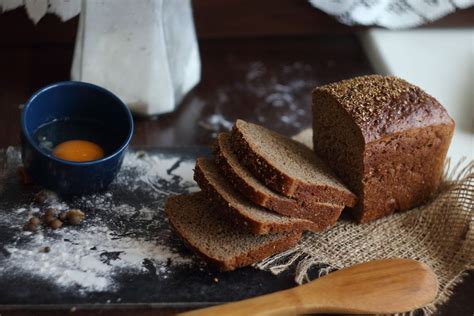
[
  {"x": 114, "y": 237},
  {"x": 74, "y": 263},
  {"x": 144, "y": 172},
  {"x": 276, "y": 92},
  {"x": 216, "y": 122}
]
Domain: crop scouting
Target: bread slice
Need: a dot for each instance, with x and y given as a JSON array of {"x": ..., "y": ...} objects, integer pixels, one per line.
[
  {"x": 237, "y": 208},
  {"x": 287, "y": 166},
  {"x": 217, "y": 240},
  {"x": 322, "y": 214}
]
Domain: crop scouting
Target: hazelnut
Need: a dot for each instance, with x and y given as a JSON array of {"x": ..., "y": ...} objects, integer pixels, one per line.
[
  {"x": 34, "y": 221},
  {"x": 48, "y": 219},
  {"x": 55, "y": 224},
  {"x": 75, "y": 220},
  {"x": 44, "y": 196},
  {"x": 49, "y": 212},
  {"x": 41, "y": 197},
  {"x": 75, "y": 216},
  {"x": 62, "y": 216},
  {"x": 30, "y": 227}
]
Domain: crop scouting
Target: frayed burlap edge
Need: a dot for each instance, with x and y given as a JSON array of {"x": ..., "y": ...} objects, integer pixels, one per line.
[{"x": 440, "y": 234}]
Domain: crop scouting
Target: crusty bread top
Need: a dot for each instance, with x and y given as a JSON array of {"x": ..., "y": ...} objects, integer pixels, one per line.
[
  {"x": 217, "y": 239},
  {"x": 382, "y": 105}
]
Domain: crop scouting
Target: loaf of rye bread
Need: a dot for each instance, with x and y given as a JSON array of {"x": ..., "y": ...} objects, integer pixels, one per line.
[
  {"x": 385, "y": 138},
  {"x": 247, "y": 215},
  {"x": 323, "y": 215},
  {"x": 287, "y": 166},
  {"x": 217, "y": 240}
]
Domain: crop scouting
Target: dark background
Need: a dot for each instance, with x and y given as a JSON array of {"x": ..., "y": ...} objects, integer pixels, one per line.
[{"x": 232, "y": 34}]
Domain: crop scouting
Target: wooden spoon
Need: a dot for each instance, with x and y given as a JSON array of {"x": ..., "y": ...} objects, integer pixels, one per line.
[{"x": 376, "y": 287}]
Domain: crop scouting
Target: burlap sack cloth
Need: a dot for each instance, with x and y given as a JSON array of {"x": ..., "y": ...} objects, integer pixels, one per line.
[{"x": 440, "y": 234}]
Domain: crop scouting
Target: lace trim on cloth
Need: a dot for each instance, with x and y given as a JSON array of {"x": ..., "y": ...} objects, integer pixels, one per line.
[
  {"x": 392, "y": 14},
  {"x": 440, "y": 234},
  {"x": 36, "y": 9}
]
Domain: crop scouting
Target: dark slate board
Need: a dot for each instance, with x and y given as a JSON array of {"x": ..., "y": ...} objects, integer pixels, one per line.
[{"x": 185, "y": 286}]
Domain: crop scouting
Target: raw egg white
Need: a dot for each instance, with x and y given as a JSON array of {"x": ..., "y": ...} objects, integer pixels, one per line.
[{"x": 78, "y": 151}]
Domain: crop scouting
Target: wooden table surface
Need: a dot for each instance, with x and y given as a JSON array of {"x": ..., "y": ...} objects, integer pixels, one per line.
[{"x": 240, "y": 74}]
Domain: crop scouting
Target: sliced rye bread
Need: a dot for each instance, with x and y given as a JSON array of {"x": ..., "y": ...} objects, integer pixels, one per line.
[
  {"x": 237, "y": 208},
  {"x": 217, "y": 240},
  {"x": 287, "y": 166},
  {"x": 322, "y": 214}
]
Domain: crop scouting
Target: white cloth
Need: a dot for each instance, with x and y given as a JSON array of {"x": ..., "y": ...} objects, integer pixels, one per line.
[
  {"x": 144, "y": 51},
  {"x": 392, "y": 14}
]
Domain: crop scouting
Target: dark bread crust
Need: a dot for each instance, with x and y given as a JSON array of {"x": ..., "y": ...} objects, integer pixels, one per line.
[
  {"x": 256, "y": 254},
  {"x": 273, "y": 178},
  {"x": 322, "y": 214},
  {"x": 384, "y": 105},
  {"x": 402, "y": 178},
  {"x": 232, "y": 213},
  {"x": 385, "y": 138}
]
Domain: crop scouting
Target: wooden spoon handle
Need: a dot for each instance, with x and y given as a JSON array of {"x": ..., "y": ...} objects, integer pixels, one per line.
[
  {"x": 279, "y": 303},
  {"x": 376, "y": 287}
]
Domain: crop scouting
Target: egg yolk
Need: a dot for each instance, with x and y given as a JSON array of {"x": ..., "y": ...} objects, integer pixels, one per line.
[{"x": 78, "y": 151}]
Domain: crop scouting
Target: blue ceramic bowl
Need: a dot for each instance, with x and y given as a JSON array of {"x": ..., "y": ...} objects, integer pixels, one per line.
[{"x": 80, "y": 101}]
